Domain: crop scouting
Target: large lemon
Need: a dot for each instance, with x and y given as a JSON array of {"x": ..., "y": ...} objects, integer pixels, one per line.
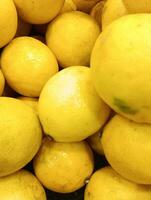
[
  {"x": 127, "y": 147},
  {"x": 69, "y": 108},
  {"x": 120, "y": 66},
  {"x": 106, "y": 184},
  {"x": 27, "y": 64},
  {"x": 8, "y": 21},
  {"x": 63, "y": 167},
  {"x": 21, "y": 185},
  {"x": 20, "y": 136},
  {"x": 71, "y": 37},
  {"x": 38, "y": 11}
]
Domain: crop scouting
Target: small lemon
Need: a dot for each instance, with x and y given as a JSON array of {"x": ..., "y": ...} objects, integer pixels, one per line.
[
  {"x": 106, "y": 184},
  {"x": 120, "y": 66},
  {"x": 69, "y": 108},
  {"x": 38, "y": 11},
  {"x": 20, "y": 136},
  {"x": 71, "y": 37},
  {"x": 27, "y": 64},
  {"x": 127, "y": 147},
  {"x": 21, "y": 185},
  {"x": 63, "y": 167},
  {"x": 8, "y": 21}
]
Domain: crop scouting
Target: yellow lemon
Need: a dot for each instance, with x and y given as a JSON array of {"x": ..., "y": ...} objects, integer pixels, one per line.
[
  {"x": 27, "y": 64},
  {"x": 113, "y": 9},
  {"x": 38, "y": 11},
  {"x": 32, "y": 102},
  {"x": 127, "y": 147},
  {"x": 71, "y": 37},
  {"x": 21, "y": 185},
  {"x": 69, "y": 5},
  {"x": 23, "y": 28},
  {"x": 96, "y": 143},
  {"x": 20, "y": 136},
  {"x": 85, "y": 5},
  {"x": 69, "y": 108},
  {"x": 2, "y": 82},
  {"x": 120, "y": 66},
  {"x": 63, "y": 167},
  {"x": 106, "y": 184},
  {"x": 8, "y": 21}
]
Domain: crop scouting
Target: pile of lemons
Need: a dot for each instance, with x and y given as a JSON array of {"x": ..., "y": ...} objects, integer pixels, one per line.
[{"x": 75, "y": 80}]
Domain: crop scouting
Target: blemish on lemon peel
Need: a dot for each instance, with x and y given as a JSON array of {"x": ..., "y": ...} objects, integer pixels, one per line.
[{"x": 124, "y": 107}]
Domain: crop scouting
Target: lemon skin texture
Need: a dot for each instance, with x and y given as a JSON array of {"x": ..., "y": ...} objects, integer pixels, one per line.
[
  {"x": 69, "y": 108},
  {"x": 20, "y": 137},
  {"x": 106, "y": 184},
  {"x": 120, "y": 66},
  {"x": 127, "y": 147},
  {"x": 63, "y": 167}
]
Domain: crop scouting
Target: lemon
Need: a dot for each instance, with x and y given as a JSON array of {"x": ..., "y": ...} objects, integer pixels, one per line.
[
  {"x": 20, "y": 136},
  {"x": 127, "y": 147},
  {"x": 143, "y": 6},
  {"x": 106, "y": 184},
  {"x": 69, "y": 108},
  {"x": 69, "y": 5},
  {"x": 96, "y": 143},
  {"x": 23, "y": 28},
  {"x": 21, "y": 185},
  {"x": 71, "y": 37},
  {"x": 32, "y": 102},
  {"x": 37, "y": 11},
  {"x": 27, "y": 64},
  {"x": 85, "y": 5},
  {"x": 113, "y": 9},
  {"x": 2, "y": 82},
  {"x": 63, "y": 167},
  {"x": 8, "y": 21},
  {"x": 120, "y": 66}
]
